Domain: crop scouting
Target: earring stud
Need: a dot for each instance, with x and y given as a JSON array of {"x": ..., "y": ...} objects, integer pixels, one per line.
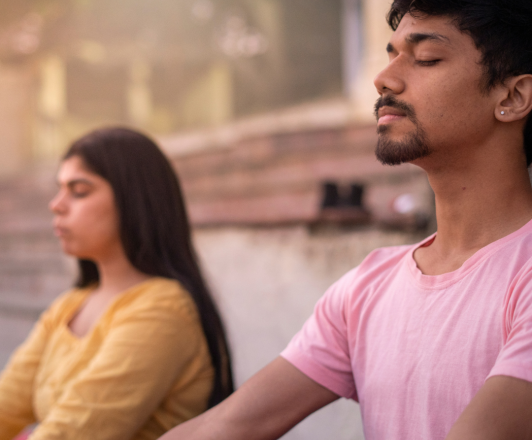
[{"x": 502, "y": 113}]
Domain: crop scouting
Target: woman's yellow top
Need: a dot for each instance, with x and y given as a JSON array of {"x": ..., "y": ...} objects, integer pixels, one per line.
[{"x": 143, "y": 369}]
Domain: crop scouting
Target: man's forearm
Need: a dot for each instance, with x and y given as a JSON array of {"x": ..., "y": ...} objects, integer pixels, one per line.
[
  {"x": 264, "y": 408},
  {"x": 200, "y": 428},
  {"x": 502, "y": 410}
]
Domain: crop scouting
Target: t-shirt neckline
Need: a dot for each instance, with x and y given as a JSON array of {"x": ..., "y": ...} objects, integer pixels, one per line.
[{"x": 435, "y": 282}]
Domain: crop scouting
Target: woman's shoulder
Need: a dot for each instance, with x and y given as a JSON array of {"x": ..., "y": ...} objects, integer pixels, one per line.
[
  {"x": 159, "y": 289},
  {"x": 64, "y": 305},
  {"x": 156, "y": 294}
]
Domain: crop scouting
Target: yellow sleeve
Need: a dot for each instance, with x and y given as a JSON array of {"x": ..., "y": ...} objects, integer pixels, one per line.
[
  {"x": 17, "y": 380},
  {"x": 144, "y": 351}
]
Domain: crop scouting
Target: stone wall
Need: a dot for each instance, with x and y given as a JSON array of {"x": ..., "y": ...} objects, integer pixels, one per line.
[{"x": 279, "y": 177}]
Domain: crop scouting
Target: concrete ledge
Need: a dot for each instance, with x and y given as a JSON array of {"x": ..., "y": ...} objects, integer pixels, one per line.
[{"x": 325, "y": 114}]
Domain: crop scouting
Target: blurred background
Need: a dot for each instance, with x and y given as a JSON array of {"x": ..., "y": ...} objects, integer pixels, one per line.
[{"x": 265, "y": 107}]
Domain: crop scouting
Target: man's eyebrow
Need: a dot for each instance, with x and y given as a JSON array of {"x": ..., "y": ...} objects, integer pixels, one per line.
[{"x": 418, "y": 37}]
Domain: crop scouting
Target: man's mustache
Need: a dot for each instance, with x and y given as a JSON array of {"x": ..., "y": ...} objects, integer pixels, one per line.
[{"x": 390, "y": 101}]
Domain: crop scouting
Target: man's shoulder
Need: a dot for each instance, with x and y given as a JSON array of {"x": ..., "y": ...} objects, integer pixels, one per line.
[
  {"x": 378, "y": 265},
  {"x": 387, "y": 253},
  {"x": 385, "y": 258}
]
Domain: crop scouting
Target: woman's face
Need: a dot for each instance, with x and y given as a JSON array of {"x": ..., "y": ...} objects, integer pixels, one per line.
[{"x": 86, "y": 219}]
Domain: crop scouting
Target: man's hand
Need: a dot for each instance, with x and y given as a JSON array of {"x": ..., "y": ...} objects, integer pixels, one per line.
[
  {"x": 501, "y": 410},
  {"x": 264, "y": 408}
]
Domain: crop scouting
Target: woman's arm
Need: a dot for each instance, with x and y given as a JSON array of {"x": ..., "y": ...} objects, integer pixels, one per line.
[
  {"x": 264, "y": 408},
  {"x": 146, "y": 349},
  {"x": 17, "y": 380}
]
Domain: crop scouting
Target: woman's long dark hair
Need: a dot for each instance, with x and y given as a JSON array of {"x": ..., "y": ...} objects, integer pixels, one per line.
[{"x": 154, "y": 228}]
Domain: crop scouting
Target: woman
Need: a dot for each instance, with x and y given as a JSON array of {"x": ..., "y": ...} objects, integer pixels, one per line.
[{"x": 138, "y": 346}]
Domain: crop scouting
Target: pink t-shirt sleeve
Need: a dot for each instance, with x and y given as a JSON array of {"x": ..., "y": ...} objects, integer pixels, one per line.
[
  {"x": 320, "y": 349},
  {"x": 515, "y": 358}
]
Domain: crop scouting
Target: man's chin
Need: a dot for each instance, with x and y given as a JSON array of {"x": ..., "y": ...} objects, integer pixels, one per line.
[{"x": 409, "y": 149}]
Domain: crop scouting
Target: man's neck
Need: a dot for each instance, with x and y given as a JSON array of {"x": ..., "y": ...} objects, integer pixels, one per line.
[{"x": 475, "y": 206}]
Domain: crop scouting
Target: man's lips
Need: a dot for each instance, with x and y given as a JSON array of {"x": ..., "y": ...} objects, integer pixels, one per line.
[{"x": 389, "y": 114}]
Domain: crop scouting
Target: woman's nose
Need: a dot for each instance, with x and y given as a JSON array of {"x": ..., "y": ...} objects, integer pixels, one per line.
[{"x": 57, "y": 204}]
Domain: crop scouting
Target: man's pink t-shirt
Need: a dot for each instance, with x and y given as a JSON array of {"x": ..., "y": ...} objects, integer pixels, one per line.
[{"x": 414, "y": 349}]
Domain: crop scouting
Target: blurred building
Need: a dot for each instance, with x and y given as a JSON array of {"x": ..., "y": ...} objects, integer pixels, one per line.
[
  {"x": 163, "y": 66},
  {"x": 266, "y": 109}
]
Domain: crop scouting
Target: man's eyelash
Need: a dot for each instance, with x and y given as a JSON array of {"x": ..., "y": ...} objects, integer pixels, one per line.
[{"x": 427, "y": 63}]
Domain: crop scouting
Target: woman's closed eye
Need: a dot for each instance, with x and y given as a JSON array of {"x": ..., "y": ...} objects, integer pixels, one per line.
[{"x": 80, "y": 189}]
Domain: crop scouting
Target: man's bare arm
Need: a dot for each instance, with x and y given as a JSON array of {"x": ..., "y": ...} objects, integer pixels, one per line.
[
  {"x": 264, "y": 408},
  {"x": 501, "y": 410}
]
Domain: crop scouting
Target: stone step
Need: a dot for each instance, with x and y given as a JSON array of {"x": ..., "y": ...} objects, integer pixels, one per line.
[
  {"x": 35, "y": 262},
  {"x": 28, "y": 245},
  {"x": 35, "y": 286},
  {"x": 33, "y": 269},
  {"x": 16, "y": 306}
]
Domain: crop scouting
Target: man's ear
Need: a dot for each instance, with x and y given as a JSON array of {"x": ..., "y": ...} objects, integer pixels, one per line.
[{"x": 517, "y": 101}]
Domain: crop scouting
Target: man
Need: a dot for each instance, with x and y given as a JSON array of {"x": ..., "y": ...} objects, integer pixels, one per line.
[{"x": 434, "y": 340}]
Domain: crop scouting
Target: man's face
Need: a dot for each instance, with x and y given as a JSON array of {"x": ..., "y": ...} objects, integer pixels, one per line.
[{"x": 431, "y": 99}]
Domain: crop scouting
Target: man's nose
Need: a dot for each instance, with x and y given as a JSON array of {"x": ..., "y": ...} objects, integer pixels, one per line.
[{"x": 390, "y": 79}]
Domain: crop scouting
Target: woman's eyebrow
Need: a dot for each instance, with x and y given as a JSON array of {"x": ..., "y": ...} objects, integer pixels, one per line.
[
  {"x": 80, "y": 180},
  {"x": 74, "y": 182}
]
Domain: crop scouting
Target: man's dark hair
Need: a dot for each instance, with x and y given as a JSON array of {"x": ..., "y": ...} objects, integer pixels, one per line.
[
  {"x": 501, "y": 30},
  {"x": 154, "y": 228}
]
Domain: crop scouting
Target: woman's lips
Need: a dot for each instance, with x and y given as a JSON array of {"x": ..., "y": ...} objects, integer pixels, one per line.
[{"x": 59, "y": 231}]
